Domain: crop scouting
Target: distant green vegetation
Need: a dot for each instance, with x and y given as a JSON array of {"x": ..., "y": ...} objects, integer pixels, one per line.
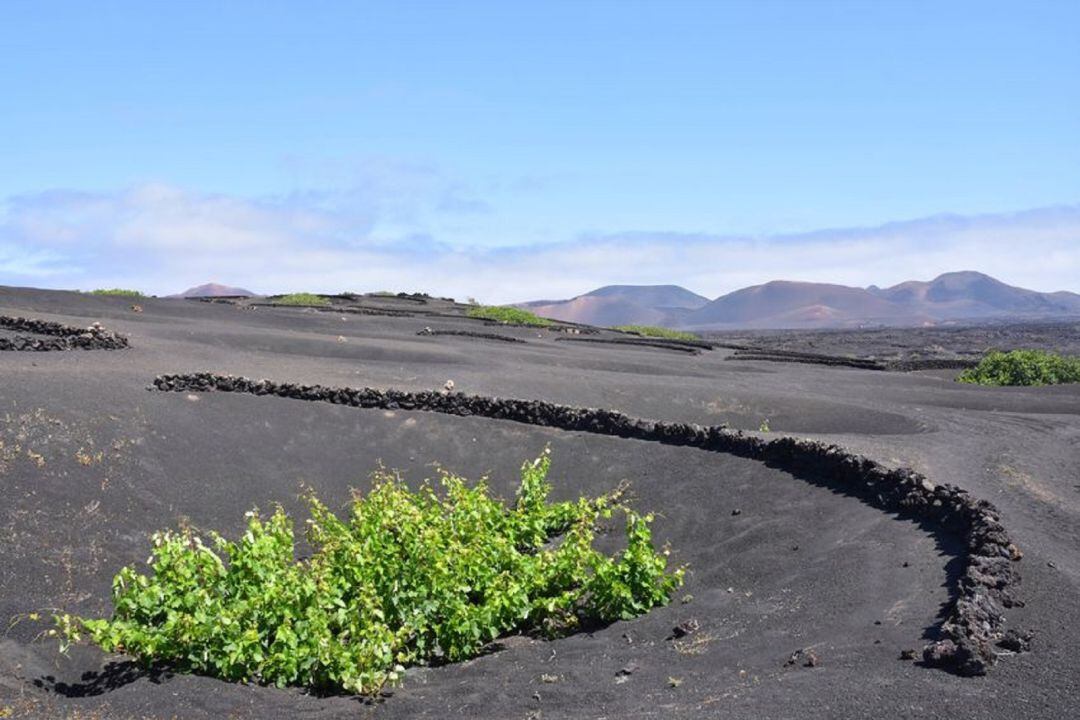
[
  {"x": 404, "y": 578},
  {"x": 301, "y": 299},
  {"x": 1023, "y": 367},
  {"x": 509, "y": 315},
  {"x": 120, "y": 292},
  {"x": 656, "y": 332}
]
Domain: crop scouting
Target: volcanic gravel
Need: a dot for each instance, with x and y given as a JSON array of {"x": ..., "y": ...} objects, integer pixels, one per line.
[{"x": 791, "y": 553}]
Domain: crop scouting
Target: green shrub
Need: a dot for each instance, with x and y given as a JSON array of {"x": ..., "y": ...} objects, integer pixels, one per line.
[
  {"x": 121, "y": 292},
  {"x": 406, "y": 578},
  {"x": 301, "y": 299},
  {"x": 509, "y": 315},
  {"x": 656, "y": 332},
  {"x": 1023, "y": 367}
]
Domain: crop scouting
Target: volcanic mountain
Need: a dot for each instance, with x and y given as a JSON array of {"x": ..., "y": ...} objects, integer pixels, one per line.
[
  {"x": 972, "y": 295},
  {"x": 214, "y": 290},
  {"x": 622, "y": 305},
  {"x": 949, "y": 298}
]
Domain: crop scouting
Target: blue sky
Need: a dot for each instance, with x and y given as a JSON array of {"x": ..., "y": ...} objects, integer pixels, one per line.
[{"x": 374, "y": 145}]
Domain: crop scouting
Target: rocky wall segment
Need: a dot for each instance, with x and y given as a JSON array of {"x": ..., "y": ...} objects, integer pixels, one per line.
[
  {"x": 57, "y": 337},
  {"x": 807, "y": 358},
  {"x": 632, "y": 343},
  {"x": 930, "y": 364},
  {"x": 907, "y": 365},
  {"x": 691, "y": 346},
  {"x": 470, "y": 334}
]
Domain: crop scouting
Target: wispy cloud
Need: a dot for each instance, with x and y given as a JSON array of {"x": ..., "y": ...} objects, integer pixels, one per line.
[{"x": 380, "y": 235}]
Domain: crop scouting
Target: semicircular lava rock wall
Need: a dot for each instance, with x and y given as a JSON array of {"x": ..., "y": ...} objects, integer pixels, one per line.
[
  {"x": 975, "y": 622},
  {"x": 57, "y": 336}
]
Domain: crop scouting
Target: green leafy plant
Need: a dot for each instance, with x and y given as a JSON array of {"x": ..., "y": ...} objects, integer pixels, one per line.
[
  {"x": 656, "y": 332},
  {"x": 301, "y": 299},
  {"x": 508, "y": 315},
  {"x": 407, "y": 577},
  {"x": 121, "y": 292},
  {"x": 1023, "y": 367}
]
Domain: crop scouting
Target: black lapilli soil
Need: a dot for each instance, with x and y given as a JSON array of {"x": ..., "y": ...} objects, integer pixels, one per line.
[{"x": 810, "y": 579}]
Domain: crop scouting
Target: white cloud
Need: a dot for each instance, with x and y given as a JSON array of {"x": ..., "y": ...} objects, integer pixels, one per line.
[{"x": 383, "y": 235}]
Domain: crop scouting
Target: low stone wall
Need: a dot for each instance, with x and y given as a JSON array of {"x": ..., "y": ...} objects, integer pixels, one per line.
[
  {"x": 806, "y": 358},
  {"x": 635, "y": 343},
  {"x": 930, "y": 364},
  {"x": 57, "y": 336},
  {"x": 975, "y": 621},
  {"x": 748, "y": 353},
  {"x": 470, "y": 334},
  {"x": 691, "y": 346}
]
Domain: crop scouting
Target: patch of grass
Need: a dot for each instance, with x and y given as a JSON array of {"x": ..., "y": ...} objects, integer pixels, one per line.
[
  {"x": 119, "y": 292},
  {"x": 509, "y": 315},
  {"x": 404, "y": 578},
  {"x": 656, "y": 332},
  {"x": 1023, "y": 367},
  {"x": 301, "y": 299}
]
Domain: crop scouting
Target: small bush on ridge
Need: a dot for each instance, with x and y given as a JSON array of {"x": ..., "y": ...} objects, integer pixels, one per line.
[
  {"x": 657, "y": 332},
  {"x": 406, "y": 578},
  {"x": 509, "y": 315},
  {"x": 121, "y": 292},
  {"x": 301, "y": 299},
  {"x": 1023, "y": 367}
]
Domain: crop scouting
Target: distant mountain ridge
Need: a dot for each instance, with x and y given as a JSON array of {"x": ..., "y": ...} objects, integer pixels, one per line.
[
  {"x": 621, "y": 305},
  {"x": 948, "y": 298},
  {"x": 213, "y": 290}
]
